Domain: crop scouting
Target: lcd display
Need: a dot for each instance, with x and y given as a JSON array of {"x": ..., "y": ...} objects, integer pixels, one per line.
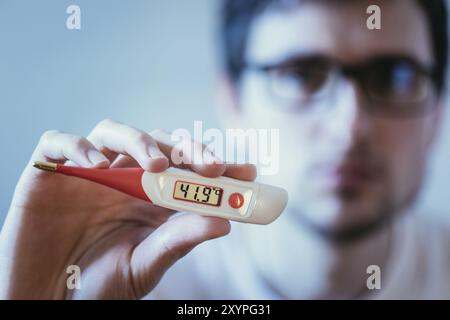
[{"x": 198, "y": 193}]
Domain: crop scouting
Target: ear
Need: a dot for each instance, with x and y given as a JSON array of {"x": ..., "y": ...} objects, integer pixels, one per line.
[
  {"x": 437, "y": 121},
  {"x": 228, "y": 105}
]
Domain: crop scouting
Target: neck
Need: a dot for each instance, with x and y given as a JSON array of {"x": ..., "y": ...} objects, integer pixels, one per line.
[{"x": 297, "y": 262}]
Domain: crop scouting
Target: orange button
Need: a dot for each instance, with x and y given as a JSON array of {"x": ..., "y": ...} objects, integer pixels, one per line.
[{"x": 236, "y": 200}]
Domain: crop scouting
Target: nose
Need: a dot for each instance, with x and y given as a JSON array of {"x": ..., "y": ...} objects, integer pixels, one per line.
[{"x": 351, "y": 124}]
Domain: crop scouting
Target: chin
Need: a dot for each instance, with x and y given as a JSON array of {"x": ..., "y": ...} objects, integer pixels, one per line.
[{"x": 344, "y": 216}]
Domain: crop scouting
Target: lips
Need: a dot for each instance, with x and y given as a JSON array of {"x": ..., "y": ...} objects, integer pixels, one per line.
[{"x": 351, "y": 175}]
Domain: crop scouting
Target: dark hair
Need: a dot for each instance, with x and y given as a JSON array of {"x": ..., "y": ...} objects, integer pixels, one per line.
[{"x": 238, "y": 15}]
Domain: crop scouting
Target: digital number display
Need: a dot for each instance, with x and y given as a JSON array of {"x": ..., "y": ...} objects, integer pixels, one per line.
[{"x": 197, "y": 193}]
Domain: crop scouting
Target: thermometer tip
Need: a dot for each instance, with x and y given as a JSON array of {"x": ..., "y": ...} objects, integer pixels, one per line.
[{"x": 47, "y": 166}]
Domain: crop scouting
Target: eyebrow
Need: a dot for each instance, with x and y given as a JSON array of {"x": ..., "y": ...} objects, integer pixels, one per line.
[
  {"x": 310, "y": 58},
  {"x": 292, "y": 59}
]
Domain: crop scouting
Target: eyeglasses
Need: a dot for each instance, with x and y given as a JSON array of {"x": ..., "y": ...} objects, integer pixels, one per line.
[{"x": 393, "y": 85}]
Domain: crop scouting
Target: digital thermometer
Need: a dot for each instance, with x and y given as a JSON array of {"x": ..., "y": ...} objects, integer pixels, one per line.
[{"x": 184, "y": 190}]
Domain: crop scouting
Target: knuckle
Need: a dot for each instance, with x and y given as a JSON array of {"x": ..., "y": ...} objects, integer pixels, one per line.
[
  {"x": 48, "y": 138},
  {"x": 49, "y": 134},
  {"x": 76, "y": 145},
  {"x": 142, "y": 138},
  {"x": 100, "y": 128},
  {"x": 105, "y": 123},
  {"x": 158, "y": 131},
  {"x": 167, "y": 250},
  {"x": 161, "y": 135}
]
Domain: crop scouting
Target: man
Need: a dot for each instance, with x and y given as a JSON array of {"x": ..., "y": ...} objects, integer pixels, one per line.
[{"x": 358, "y": 111}]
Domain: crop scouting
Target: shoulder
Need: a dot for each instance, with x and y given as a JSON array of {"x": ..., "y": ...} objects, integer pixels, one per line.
[
  {"x": 419, "y": 261},
  {"x": 430, "y": 239}
]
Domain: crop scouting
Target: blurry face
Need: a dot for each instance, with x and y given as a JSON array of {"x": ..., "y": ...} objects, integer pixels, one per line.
[{"x": 346, "y": 168}]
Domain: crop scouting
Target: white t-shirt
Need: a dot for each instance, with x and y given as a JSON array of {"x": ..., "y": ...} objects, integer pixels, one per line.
[{"x": 418, "y": 267}]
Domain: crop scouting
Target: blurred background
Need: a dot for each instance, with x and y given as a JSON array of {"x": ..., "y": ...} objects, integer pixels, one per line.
[{"x": 148, "y": 63}]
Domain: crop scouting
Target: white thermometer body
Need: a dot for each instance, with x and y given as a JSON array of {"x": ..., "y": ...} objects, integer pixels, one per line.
[{"x": 224, "y": 197}]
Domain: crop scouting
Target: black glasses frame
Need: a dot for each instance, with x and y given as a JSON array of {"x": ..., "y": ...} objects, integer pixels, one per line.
[{"x": 358, "y": 72}]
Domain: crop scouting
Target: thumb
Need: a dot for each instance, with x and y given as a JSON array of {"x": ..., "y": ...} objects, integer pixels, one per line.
[{"x": 168, "y": 243}]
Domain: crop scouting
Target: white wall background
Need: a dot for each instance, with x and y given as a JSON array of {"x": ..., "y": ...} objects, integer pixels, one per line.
[{"x": 148, "y": 63}]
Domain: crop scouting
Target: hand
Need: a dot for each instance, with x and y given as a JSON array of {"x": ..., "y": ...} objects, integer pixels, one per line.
[{"x": 122, "y": 245}]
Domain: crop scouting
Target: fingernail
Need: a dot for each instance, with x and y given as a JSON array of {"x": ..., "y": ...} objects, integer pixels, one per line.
[
  {"x": 210, "y": 158},
  {"x": 154, "y": 152},
  {"x": 96, "y": 158}
]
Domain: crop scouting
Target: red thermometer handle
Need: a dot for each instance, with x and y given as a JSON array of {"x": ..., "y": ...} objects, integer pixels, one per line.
[{"x": 127, "y": 180}]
